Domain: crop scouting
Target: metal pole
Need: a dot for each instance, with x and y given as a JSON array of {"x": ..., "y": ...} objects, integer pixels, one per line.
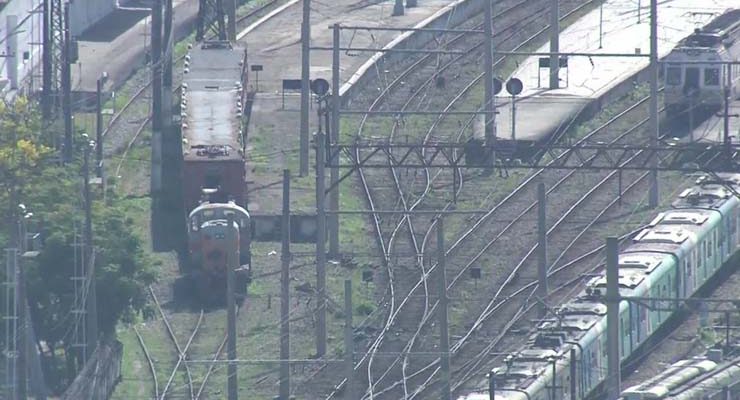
[
  {"x": 305, "y": 85},
  {"x": 398, "y": 8},
  {"x": 99, "y": 127},
  {"x": 167, "y": 56},
  {"x": 654, "y": 128},
  {"x": 513, "y": 118},
  {"x": 726, "y": 119},
  {"x": 612, "y": 318},
  {"x": 231, "y": 22},
  {"x": 67, "y": 87},
  {"x": 20, "y": 303},
  {"x": 492, "y": 385},
  {"x": 231, "y": 260},
  {"x": 334, "y": 138},
  {"x": 285, "y": 293},
  {"x": 348, "y": 341},
  {"x": 320, "y": 246},
  {"x": 554, "y": 43},
  {"x": 91, "y": 304},
  {"x": 48, "y": 63},
  {"x": 11, "y": 320},
  {"x": 490, "y": 117},
  {"x": 601, "y": 24},
  {"x": 156, "y": 142},
  {"x": 542, "y": 289},
  {"x": 444, "y": 340},
  {"x": 12, "y": 51},
  {"x": 727, "y": 330},
  {"x": 639, "y": 11},
  {"x": 573, "y": 374}
]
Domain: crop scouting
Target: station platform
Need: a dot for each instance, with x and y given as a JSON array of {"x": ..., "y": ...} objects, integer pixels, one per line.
[
  {"x": 118, "y": 45},
  {"x": 540, "y": 111},
  {"x": 274, "y": 130}
]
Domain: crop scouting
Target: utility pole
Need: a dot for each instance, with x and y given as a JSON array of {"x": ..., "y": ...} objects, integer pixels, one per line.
[
  {"x": 47, "y": 62},
  {"x": 22, "y": 357},
  {"x": 91, "y": 305},
  {"x": 613, "y": 377},
  {"x": 232, "y": 258},
  {"x": 231, "y": 22},
  {"x": 334, "y": 138},
  {"x": 490, "y": 108},
  {"x": 554, "y": 44},
  {"x": 99, "y": 123},
  {"x": 67, "y": 87},
  {"x": 285, "y": 293},
  {"x": 320, "y": 246},
  {"x": 305, "y": 86},
  {"x": 167, "y": 51},
  {"x": 542, "y": 289},
  {"x": 156, "y": 48},
  {"x": 444, "y": 339},
  {"x": 654, "y": 193},
  {"x": 11, "y": 321},
  {"x": 398, "y": 8},
  {"x": 349, "y": 350},
  {"x": 726, "y": 119},
  {"x": 11, "y": 50}
]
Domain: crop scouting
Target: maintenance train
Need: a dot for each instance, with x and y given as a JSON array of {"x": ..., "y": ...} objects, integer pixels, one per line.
[
  {"x": 694, "y": 77},
  {"x": 670, "y": 259},
  {"x": 214, "y": 166}
]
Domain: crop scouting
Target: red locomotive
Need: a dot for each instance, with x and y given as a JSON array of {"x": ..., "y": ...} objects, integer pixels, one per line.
[{"x": 214, "y": 170}]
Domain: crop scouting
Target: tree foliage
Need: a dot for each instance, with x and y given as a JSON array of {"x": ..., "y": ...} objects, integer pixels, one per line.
[{"x": 53, "y": 193}]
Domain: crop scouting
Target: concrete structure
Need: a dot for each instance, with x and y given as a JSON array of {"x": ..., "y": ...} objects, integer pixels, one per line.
[
  {"x": 586, "y": 80},
  {"x": 84, "y": 14},
  {"x": 20, "y": 45}
]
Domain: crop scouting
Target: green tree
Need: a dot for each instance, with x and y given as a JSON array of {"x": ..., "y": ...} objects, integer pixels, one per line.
[{"x": 53, "y": 193}]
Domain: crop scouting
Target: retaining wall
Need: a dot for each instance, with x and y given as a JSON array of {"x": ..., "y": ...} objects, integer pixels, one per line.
[{"x": 86, "y": 13}]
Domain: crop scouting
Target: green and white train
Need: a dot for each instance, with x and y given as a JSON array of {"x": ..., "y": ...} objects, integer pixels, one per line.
[{"x": 671, "y": 259}]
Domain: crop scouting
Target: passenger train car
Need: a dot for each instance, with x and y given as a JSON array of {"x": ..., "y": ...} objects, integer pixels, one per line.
[
  {"x": 214, "y": 169},
  {"x": 692, "y": 84},
  {"x": 672, "y": 258}
]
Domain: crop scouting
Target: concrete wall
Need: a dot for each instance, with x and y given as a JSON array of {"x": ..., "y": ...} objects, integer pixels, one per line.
[
  {"x": 14, "y": 43},
  {"x": 85, "y": 13}
]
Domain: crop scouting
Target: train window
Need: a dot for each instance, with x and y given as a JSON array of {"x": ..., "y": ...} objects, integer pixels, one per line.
[
  {"x": 673, "y": 75},
  {"x": 711, "y": 76},
  {"x": 709, "y": 246}
]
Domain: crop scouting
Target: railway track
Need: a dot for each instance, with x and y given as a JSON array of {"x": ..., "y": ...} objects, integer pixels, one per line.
[
  {"x": 408, "y": 204},
  {"x": 194, "y": 387}
]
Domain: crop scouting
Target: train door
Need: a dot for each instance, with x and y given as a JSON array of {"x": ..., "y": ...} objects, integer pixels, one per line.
[
  {"x": 635, "y": 321},
  {"x": 691, "y": 82}
]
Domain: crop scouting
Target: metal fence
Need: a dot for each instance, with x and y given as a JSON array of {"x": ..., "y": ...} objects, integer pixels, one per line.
[{"x": 100, "y": 375}]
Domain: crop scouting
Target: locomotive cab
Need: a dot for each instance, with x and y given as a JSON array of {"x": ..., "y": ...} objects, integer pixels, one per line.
[{"x": 209, "y": 247}]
